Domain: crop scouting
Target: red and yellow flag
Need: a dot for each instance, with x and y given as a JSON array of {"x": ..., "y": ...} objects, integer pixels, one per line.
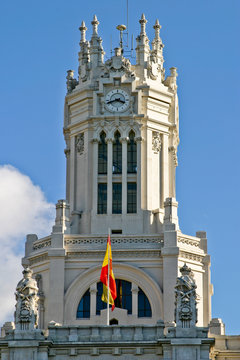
[{"x": 104, "y": 277}]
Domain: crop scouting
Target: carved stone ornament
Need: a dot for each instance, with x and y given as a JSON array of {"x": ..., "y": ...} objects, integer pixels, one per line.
[
  {"x": 156, "y": 141},
  {"x": 117, "y": 63},
  {"x": 80, "y": 143},
  {"x": 174, "y": 155},
  {"x": 26, "y": 314},
  {"x": 186, "y": 304},
  {"x": 71, "y": 82}
]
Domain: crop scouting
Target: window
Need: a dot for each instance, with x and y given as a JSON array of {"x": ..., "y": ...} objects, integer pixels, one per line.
[
  {"x": 117, "y": 154},
  {"x": 123, "y": 300},
  {"x": 144, "y": 307},
  {"x": 131, "y": 154},
  {"x": 99, "y": 303},
  {"x": 83, "y": 310},
  {"x": 117, "y": 198},
  {"x": 102, "y": 154},
  {"x": 131, "y": 198},
  {"x": 102, "y": 198},
  {"x": 124, "y": 295}
]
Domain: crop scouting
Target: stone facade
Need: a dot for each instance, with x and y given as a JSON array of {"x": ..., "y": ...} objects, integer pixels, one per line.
[{"x": 118, "y": 116}]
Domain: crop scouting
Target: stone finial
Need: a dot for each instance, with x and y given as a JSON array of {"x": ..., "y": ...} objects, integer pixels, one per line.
[
  {"x": 186, "y": 304},
  {"x": 26, "y": 314},
  {"x": 174, "y": 72},
  {"x": 143, "y": 22},
  {"x": 95, "y": 24},
  {"x": 83, "y": 30},
  {"x": 157, "y": 28}
]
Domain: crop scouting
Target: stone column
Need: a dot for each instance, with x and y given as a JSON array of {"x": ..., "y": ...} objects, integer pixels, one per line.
[
  {"x": 134, "y": 299},
  {"x": 165, "y": 168},
  {"x": 109, "y": 175},
  {"x": 93, "y": 299},
  {"x": 139, "y": 187},
  {"x": 95, "y": 176},
  {"x": 124, "y": 175},
  {"x": 67, "y": 154}
]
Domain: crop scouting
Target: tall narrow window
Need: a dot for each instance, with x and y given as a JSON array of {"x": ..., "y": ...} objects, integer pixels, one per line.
[
  {"x": 144, "y": 307},
  {"x": 102, "y": 198},
  {"x": 117, "y": 154},
  {"x": 131, "y": 198},
  {"x": 117, "y": 198},
  {"x": 83, "y": 310},
  {"x": 131, "y": 154},
  {"x": 102, "y": 154}
]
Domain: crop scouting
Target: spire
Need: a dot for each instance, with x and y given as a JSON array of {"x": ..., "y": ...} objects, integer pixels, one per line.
[
  {"x": 142, "y": 49},
  {"x": 96, "y": 49},
  {"x": 143, "y": 22},
  {"x": 83, "y": 55},
  {"x": 157, "y": 28},
  {"x": 95, "y": 24},
  {"x": 83, "y": 30}
]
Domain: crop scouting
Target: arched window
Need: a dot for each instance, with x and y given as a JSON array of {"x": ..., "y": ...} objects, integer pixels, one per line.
[
  {"x": 102, "y": 154},
  {"x": 117, "y": 154},
  {"x": 131, "y": 154},
  {"x": 144, "y": 307},
  {"x": 83, "y": 310},
  {"x": 124, "y": 296}
]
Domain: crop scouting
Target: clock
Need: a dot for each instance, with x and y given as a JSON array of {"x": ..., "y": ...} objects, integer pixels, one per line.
[{"x": 117, "y": 100}]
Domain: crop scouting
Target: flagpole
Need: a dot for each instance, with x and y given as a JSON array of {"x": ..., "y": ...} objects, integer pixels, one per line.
[{"x": 108, "y": 281}]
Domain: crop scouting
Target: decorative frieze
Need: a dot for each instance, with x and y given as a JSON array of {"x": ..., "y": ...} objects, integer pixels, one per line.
[
  {"x": 191, "y": 256},
  {"x": 117, "y": 254},
  {"x": 115, "y": 240},
  {"x": 42, "y": 244}
]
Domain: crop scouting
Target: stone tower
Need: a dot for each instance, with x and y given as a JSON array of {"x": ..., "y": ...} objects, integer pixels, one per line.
[{"x": 121, "y": 128}]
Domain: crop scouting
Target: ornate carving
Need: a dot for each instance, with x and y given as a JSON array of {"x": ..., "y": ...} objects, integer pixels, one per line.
[
  {"x": 26, "y": 314},
  {"x": 71, "y": 82},
  {"x": 186, "y": 304},
  {"x": 156, "y": 141},
  {"x": 190, "y": 256},
  {"x": 187, "y": 241},
  {"x": 117, "y": 63},
  {"x": 174, "y": 154},
  {"x": 80, "y": 143},
  {"x": 42, "y": 244},
  {"x": 67, "y": 152},
  {"x": 114, "y": 240},
  {"x": 117, "y": 254}
]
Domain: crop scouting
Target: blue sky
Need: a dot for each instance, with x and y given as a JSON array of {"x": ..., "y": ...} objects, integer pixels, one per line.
[{"x": 39, "y": 43}]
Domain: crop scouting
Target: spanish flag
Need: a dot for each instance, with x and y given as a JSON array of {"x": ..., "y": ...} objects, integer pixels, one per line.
[{"x": 104, "y": 277}]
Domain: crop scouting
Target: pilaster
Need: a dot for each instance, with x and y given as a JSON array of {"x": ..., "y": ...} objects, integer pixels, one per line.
[
  {"x": 124, "y": 175},
  {"x": 95, "y": 176},
  {"x": 139, "y": 174},
  {"x": 109, "y": 175}
]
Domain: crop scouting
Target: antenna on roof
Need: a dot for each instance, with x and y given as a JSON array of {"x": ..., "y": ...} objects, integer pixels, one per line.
[{"x": 121, "y": 28}]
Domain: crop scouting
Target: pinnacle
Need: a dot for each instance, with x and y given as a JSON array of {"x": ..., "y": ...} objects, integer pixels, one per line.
[
  {"x": 157, "y": 25},
  {"x": 83, "y": 26},
  {"x": 95, "y": 20}
]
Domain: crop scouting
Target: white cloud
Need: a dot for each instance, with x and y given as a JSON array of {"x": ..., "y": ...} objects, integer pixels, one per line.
[{"x": 24, "y": 210}]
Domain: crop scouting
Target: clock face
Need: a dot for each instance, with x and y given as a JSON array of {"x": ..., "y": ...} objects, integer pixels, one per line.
[{"x": 117, "y": 100}]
